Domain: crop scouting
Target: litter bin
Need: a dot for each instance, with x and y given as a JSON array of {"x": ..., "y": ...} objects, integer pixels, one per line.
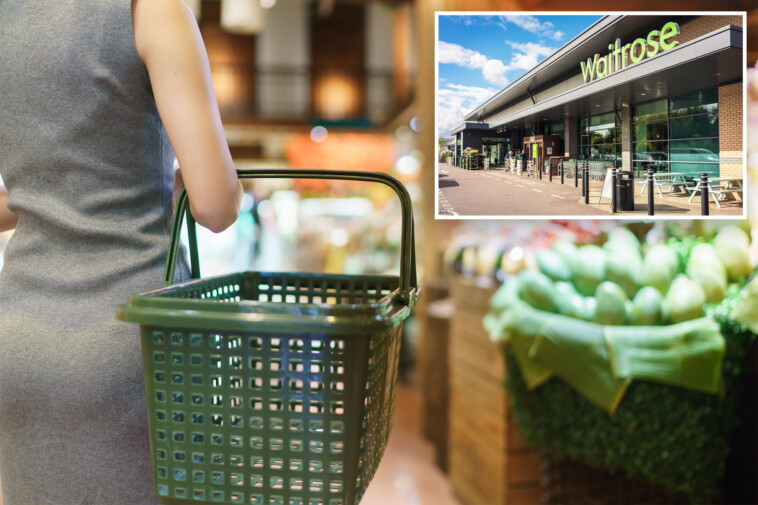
[{"x": 625, "y": 193}]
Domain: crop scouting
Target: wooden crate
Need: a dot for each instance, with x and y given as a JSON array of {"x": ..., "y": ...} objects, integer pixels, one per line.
[
  {"x": 488, "y": 462},
  {"x": 436, "y": 378}
]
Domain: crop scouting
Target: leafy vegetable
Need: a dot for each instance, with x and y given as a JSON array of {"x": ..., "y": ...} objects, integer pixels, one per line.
[
  {"x": 687, "y": 354},
  {"x": 733, "y": 247},
  {"x": 647, "y": 307},
  {"x": 623, "y": 268},
  {"x": 552, "y": 264},
  {"x": 659, "y": 267},
  {"x": 620, "y": 239},
  {"x": 611, "y": 304},
  {"x": 684, "y": 300},
  {"x": 706, "y": 268},
  {"x": 588, "y": 269},
  {"x": 537, "y": 290}
]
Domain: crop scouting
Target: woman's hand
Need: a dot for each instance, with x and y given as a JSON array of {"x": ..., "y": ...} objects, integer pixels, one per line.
[
  {"x": 8, "y": 219},
  {"x": 169, "y": 43}
]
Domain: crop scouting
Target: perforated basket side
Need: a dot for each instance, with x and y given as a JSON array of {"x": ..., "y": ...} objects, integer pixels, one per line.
[
  {"x": 267, "y": 418},
  {"x": 226, "y": 288},
  {"x": 317, "y": 288},
  {"x": 279, "y": 287},
  {"x": 378, "y": 405}
]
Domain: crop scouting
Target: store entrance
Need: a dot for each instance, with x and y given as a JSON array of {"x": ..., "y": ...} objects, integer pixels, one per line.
[
  {"x": 495, "y": 150},
  {"x": 541, "y": 147}
]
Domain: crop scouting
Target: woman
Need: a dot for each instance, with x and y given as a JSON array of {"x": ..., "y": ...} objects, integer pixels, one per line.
[{"x": 87, "y": 89}]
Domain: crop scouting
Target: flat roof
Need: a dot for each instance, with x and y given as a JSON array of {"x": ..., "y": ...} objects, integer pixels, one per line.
[
  {"x": 706, "y": 62},
  {"x": 563, "y": 64},
  {"x": 502, "y": 97},
  {"x": 470, "y": 125}
]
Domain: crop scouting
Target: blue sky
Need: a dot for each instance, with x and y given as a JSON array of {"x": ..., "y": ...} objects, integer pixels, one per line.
[{"x": 478, "y": 55}]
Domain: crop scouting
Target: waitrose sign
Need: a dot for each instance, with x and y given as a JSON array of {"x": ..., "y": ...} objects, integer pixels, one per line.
[{"x": 616, "y": 59}]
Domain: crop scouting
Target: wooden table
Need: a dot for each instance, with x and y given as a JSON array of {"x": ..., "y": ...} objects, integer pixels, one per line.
[
  {"x": 671, "y": 179},
  {"x": 718, "y": 187}
]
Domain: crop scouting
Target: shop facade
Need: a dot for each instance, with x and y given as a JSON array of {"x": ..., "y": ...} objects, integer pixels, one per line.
[
  {"x": 633, "y": 91},
  {"x": 472, "y": 135}
]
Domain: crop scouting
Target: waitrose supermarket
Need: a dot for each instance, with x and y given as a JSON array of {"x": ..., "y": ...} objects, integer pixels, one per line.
[{"x": 657, "y": 91}]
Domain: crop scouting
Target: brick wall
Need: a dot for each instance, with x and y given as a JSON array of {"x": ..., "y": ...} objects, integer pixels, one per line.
[
  {"x": 705, "y": 24},
  {"x": 730, "y": 130}
]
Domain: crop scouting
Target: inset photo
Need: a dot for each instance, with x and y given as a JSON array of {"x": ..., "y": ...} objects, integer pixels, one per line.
[{"x": 611, "y": 115}]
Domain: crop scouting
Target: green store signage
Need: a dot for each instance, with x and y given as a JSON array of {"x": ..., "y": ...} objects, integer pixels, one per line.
[{"x": 616, "y": 59}]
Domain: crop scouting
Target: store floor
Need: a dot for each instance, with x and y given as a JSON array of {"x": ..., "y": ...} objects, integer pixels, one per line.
[{"x": 407, "y": 474}]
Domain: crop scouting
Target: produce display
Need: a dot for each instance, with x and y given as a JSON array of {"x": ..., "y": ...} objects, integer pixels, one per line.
[
  {"x": 615, "y": 284},
  {"x": 491, "y": 250},
  {"x": 653, "y": 334}
]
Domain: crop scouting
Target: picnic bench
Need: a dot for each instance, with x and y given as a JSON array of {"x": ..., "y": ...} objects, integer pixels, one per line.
[
  {"x": 718, "y": 187},
  {"x": 674, "y": 180}
]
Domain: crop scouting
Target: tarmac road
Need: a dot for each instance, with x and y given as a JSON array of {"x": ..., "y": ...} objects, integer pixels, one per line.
[{"x": 499, "y": 193}]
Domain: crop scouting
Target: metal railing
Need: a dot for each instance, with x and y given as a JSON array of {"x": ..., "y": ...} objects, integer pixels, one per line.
[{"x": 598, "y": 169}]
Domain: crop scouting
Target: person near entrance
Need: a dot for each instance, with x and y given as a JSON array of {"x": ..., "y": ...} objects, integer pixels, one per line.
[{"x": 510, "y": 162}]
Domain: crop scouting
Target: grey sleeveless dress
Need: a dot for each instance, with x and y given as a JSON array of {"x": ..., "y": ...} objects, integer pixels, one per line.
[{"x": 89, "y": 170}]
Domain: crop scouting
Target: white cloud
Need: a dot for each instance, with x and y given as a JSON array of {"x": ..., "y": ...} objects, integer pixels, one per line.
[
  {"x": 532, "y": 24},
  {"x": 455, "y": 101},
  {"x": 459, "y": 55},
  {"x": 493, "y": 70},
  {"x": 527, "y": 54}
]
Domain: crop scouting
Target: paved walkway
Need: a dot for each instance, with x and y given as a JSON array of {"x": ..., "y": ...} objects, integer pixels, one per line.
[
  {"x": 496, "y": 193},
  {"x": 499, "y": 193}
]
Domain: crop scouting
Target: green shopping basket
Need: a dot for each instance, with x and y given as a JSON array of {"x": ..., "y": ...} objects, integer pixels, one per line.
[{"x": 272, "y": 388}]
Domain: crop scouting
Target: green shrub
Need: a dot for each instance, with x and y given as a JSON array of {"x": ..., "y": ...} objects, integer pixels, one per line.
[{"x": 673, "y": 437}]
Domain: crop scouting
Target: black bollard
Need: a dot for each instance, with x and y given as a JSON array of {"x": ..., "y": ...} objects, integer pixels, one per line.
[
  {"x": 614, "y": 191},
  {"x": 704, "y": 210},
  {"x": 582, "y": 173},
  {"x": 650, "y": 191},
  {"x": 550, "y": 168},
  {"x": 561, "y": 162},
  {"x": 576, "y": 174},
  {"x": 586, "y": 177},
  {"x": 538, "y": 161}
]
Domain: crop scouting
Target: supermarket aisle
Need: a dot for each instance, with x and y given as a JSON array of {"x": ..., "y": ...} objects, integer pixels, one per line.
[{"x": 407, "y": 474}]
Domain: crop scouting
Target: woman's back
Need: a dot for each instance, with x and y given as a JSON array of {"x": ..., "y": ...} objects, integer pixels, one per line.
[
  {"x": 89, "y": 170},
  {"x": 84, "y": 155}
]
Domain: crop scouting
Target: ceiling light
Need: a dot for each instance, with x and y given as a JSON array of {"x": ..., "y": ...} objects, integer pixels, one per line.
[{"x": 242, "y": 17}]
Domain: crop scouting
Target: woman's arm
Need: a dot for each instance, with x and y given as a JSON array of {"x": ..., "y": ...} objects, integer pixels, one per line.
[
  {"x": 169, "y": 43},
  {"x": 8, "y": 219}
]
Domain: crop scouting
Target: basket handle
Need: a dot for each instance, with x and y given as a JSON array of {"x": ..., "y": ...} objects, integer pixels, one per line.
[{"x": 408, "y": 282}]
